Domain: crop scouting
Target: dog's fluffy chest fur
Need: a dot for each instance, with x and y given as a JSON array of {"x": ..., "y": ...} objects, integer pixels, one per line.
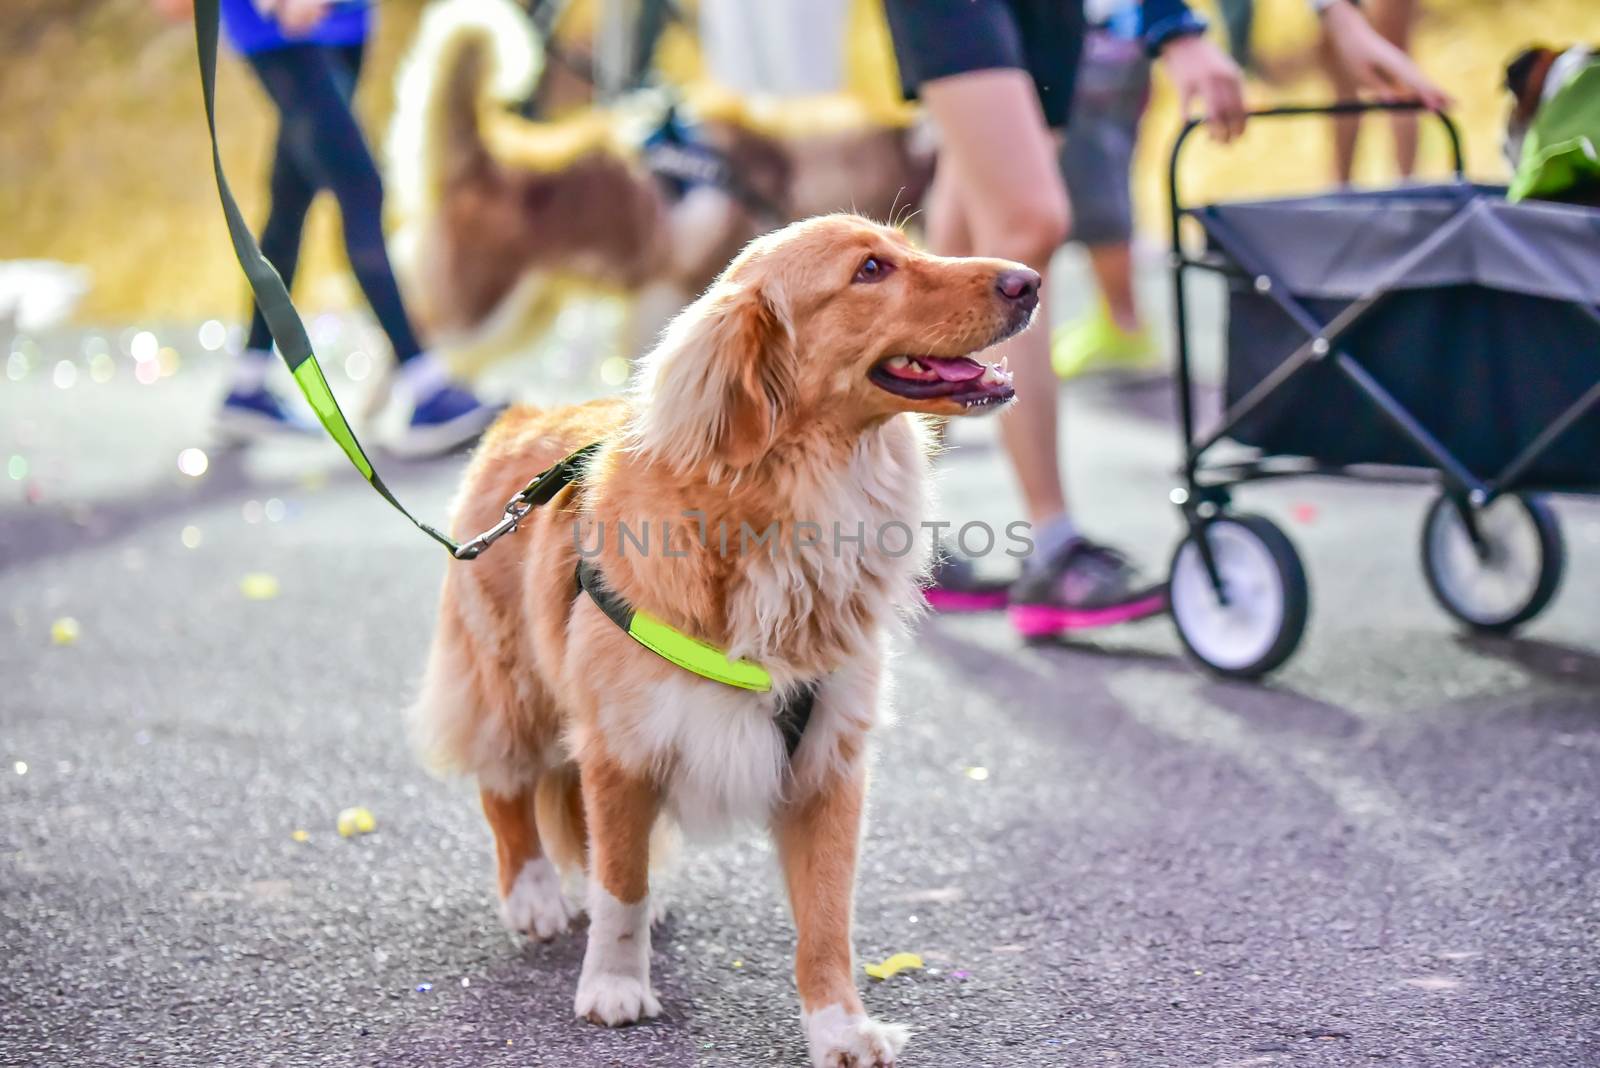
[
  {"x": 813, "y": 604},
  {"x": 848, "y": 557}
]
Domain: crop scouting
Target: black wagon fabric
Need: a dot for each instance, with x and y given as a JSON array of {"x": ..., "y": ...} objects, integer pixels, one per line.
[{"x": 1482, "y": 338}]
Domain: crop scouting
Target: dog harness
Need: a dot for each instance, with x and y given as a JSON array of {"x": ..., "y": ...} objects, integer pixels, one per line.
[{"x": 670, "y": 644}]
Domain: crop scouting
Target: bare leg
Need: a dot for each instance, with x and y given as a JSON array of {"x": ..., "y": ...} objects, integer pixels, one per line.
[
  {"x": 614, "y": 988},
  {"x": 1395, "y": 20},
  {"x": 947, "y": 216},
  {"x": 817, "y": 841},
  {"x": 530, "y": 887},
  {"x": 1346, "y": 128},
  {"x": 1001, "y": 156},
  {"x": 1113, "y": 270}
]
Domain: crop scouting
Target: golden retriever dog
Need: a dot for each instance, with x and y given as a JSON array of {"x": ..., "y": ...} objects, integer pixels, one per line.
[{"x": 786, "y": 400}]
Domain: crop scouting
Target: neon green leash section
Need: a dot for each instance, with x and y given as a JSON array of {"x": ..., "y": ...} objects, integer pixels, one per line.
[{"x": 272, "y": 296}]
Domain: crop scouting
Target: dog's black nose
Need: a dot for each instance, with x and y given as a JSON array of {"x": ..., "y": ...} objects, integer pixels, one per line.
[{"x": 1020, "y": 285}]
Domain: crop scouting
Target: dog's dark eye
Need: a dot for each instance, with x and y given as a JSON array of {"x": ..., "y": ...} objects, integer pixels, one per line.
[{"x": 873, "y": 270}]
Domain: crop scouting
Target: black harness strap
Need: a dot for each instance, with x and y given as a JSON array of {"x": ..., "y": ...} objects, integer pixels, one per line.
[
  {"x": 605, "y": 598},
  {"x": 793, "y": 716}
]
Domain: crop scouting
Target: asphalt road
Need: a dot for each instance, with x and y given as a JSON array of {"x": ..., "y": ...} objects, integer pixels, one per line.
[{"x": 1387, "y": 854}]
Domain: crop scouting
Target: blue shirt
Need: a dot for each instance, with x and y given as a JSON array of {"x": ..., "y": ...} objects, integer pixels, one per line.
[
  {"x": 250, "y": 31},
  {"x": 1162, "y": 20}
]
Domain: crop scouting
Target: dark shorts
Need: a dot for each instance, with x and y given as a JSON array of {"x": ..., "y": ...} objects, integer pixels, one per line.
[{"x": 935, "y": 39}]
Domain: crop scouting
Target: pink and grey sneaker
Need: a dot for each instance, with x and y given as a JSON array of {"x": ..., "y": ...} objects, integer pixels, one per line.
[
  {"x": 1085, "y": 586},
  {"x": 957, "y": 587}
]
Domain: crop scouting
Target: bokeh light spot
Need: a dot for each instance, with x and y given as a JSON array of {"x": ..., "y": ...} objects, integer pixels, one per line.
[
  {"x": 614, "y": 370},
  {"x": 144, "y": 346},
  {"x": 191, "y": 537},
  {"x": 259, "y": 586},
  {"x": 213, "y": 335},
  {"x": 65, "y": 375},
  {"x": 193, "y": 462}
]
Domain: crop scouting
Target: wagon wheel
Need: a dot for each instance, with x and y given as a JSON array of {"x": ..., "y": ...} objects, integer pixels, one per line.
[
  {"x": 1256, "y": 621},
  {"x": 1504, "y": 577}
]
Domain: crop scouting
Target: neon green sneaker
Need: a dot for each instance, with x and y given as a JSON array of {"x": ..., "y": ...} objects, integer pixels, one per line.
[{"x": 1096, "y": 341}]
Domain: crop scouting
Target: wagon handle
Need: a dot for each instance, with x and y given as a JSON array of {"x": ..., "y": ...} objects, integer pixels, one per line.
[{"x": 1353, "y": 107}]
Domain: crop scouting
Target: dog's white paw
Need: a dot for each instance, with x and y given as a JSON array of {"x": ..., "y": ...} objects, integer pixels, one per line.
[
  {"x": 615, "y": 1000},
  {"x": 536, "y": 907},
  {"x": 839, "y": 1039}
]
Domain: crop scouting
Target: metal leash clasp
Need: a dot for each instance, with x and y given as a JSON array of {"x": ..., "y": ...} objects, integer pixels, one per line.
[
  {"x": 541, "y": 490},
  {"x": 516, "y": 508}
]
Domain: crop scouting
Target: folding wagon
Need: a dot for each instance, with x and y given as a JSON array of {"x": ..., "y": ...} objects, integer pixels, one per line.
[{"x": 1430, "y": 332}]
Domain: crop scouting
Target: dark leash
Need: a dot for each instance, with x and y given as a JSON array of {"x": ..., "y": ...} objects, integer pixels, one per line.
[{"x": 293, "y": 343}]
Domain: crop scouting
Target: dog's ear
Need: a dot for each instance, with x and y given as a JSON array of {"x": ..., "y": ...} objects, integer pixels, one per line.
[
  {"x": 721, "y": 382},
  {"x": 755, "y": 352}
]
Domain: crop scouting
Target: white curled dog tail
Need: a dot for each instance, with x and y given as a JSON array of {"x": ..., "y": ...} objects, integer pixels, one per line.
[{"x": 466, "y": 53}]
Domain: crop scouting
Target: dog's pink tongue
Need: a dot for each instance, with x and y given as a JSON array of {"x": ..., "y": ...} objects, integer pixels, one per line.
[{"x": 954, "y": 368}]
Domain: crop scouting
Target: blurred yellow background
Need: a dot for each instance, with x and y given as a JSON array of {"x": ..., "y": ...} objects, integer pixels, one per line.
[{"x": 103, "y": 155}]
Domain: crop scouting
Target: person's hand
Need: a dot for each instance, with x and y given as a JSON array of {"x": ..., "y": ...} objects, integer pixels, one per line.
[
  {"x": 296, "y": 17},
  {"x": 1202, "y": 71},
  {"x": 1376, "y": 64},
  {"x": 174, "y": 10}
]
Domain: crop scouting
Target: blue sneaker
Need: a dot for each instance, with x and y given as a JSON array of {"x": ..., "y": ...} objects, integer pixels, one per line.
[
  {"x": 249, "y": 414},
  {"x": 449, "y": 420}
]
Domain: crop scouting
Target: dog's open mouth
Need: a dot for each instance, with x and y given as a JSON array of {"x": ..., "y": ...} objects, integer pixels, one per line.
[{"x": 958, "y": 378}]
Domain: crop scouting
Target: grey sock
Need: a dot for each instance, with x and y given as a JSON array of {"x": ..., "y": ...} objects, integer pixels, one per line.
[{"x": 1050, "y": 538}]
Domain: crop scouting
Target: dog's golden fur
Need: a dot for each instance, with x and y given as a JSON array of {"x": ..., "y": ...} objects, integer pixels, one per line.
[{"x": 756, "y": 409}]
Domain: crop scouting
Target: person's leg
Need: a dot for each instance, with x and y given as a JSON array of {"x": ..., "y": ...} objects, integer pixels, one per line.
[
  {"x": 1095, "y": 161},
  {"x": 1000, "y": 153},
  {"x": 1346, "y": 128},
  {"x": 1238, "y": 17},
  {"x": 1395, "y": 20},
  {"x": 250, "y": 409},
  {"x": 290, "y": 195},
  {"x": 1112, "y": 263},
  {"x": 317, "y": 84},
  {"x": 995, "y": 77},
  {"x": 945, "y": 217},
  {"x": 312, "y": 87}
]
